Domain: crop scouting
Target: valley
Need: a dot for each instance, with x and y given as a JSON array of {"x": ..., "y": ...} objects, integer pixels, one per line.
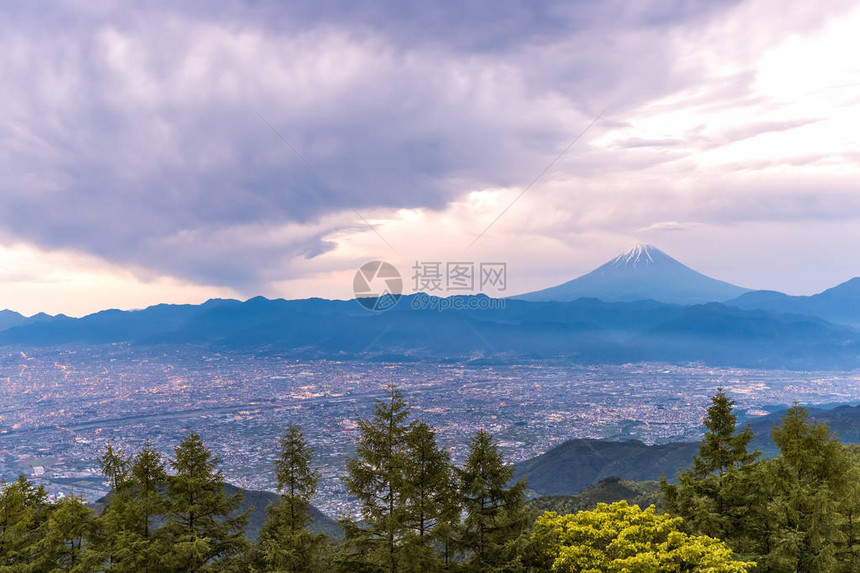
[{"x": 59, "y": 407}]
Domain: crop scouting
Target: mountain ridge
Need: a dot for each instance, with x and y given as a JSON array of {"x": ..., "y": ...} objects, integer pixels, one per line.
[
  {"x": 583, "y": 331},
  {"x": 10, "y": 318},
  {"x": 840, "y": 304}
]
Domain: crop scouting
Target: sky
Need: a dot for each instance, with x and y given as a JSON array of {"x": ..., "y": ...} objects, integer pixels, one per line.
[{"x": 175, "y": 152}]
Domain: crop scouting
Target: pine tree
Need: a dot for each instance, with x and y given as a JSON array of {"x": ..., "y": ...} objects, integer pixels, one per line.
[
  {"x": 722, "y": 448},
  {"x": 147, "y": 482},
  {"x": 286, "y": 543},
  {"x": 201, "y": 532},
  {"x": 109, "y": 540},
  {"x": 751, "y": 492},
  {"x": 148, "y": 478},
  {"x": 24, "y": 514},
  {"x": 496, "y": 517},
  {"x": 114, "y": 465},
  {"x": 706, "y": 494},
  {"x": 128, "y": 539},
  {"x": 849, "y": 502},
  {"x": 445, "y": 534},
  {"x": 377, "y": 478},
  {"x": 428, "y": 478},
  {"x": 811, "y": 477},
  {"x": 69, "y": 528}
]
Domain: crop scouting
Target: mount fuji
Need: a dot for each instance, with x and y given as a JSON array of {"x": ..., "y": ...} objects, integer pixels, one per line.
[{"x": 642, "y": 273}]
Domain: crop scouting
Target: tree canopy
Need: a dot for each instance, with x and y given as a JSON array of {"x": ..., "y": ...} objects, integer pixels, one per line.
[
  {"x": 620, "y": 538},
  {"x": 798, "y": 512}
]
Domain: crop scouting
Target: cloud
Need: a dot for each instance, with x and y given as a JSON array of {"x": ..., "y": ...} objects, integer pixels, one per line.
[
  {"x": 668, "y": 226},
  {"x": 128, "y": 128},
  {"x": 132, "y": 135},
  {"x": 32, "y": 281}
]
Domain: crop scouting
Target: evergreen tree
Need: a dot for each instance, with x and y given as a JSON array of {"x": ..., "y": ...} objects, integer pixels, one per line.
[
  {"x": 286, "y": 543},
  {"x": 23, "y": 523},
  {"x": 114, "y": 465},
  {"x": 149, "y": 479},
  {"x": 849, "y": 554},
  {"x": 201, "y": 532},
  {"x": 707, "y": 494},
  {"x": 69, "y": 527},
  {"x": 446, "y": 530},
  {"x": 109, "y": 540},
  {"x": 796, "y": 512},
  {"x": 133, "y": 515},
  {"x": 751, "y": 492},
  {"x": 496, "y": 516},
  {"x": 377, "y": 477},
  {"x": 722, "y": 448},
  {"x": 811, "y": 477},
  {"x": 428, "y": 477}
]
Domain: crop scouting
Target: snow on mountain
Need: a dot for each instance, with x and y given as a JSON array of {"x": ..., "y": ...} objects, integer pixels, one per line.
[{"x": 640, "y": 254}]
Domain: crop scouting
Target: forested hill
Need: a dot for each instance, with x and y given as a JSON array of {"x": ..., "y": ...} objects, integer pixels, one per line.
[
  {"x": 570, "y": 467},
  {"x": 843, "y": 420},
  {"x": 574, "y": 465},
  {"x": 607, "y": 490},
  {"x": 261, "y": 500}
]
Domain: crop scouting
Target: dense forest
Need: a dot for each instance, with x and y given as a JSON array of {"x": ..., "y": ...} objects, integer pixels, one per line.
[{"x": 730, "y": 511}]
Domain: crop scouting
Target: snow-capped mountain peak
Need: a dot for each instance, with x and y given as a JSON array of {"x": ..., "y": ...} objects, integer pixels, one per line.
[
  {"x": 642, "y": 254},
  {"x": 642, "y": 273}
]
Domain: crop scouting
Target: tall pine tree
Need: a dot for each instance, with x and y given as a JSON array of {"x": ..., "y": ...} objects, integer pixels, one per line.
[
  {"x": 69, "y": 528},
  {"x": 201, "y": 530},
  {"x": 114, "y": 465},
  {"x": 446, "y": 531},
  {"x": 377, "y": 477},
  {"x": 132, "y": 518},
  {"x": 428, "y": 478},
  {"x": 113, "y": 544},
  {"x": 494, "y": 530},
  {"x": 148, "y": 477},
  {"x": 812, "y": 477},
  {"x": 849, "y": 502},
  {"x": 286, "y": 543},
  {"x": 24, "y": 512},
  {"x": 707, "y": 494}
]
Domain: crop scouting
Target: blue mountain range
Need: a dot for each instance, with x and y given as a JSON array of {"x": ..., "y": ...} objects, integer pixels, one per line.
[{"x": 755, "y": 329}]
